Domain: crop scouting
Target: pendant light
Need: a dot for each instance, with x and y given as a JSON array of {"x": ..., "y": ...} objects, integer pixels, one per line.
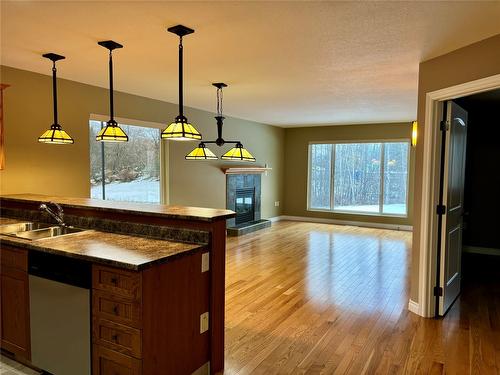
[
  {"x": 237, "y": 153},
  {"x": 201, "y": 153},
  {"x": 111, "y": 132},
  {"x": 181, "y": 129},
  {"x": 55, "y": 135}
]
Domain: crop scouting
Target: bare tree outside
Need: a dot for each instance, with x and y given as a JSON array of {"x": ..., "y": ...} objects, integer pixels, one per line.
[
  {"x": 131, "y": 169},
  {"x": 365, "y": 177}
]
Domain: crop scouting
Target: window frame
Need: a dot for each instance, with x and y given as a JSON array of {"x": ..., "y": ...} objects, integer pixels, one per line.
[
  {"x": 163, "y": 154},
  {"x": 383, "y": 142}
]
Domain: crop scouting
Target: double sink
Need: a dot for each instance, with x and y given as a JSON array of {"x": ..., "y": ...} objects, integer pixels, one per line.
[{"x": 36, "y": 231}]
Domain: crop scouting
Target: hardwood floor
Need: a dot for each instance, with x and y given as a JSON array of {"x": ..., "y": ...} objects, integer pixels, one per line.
[{"x": 306, "y": 298}]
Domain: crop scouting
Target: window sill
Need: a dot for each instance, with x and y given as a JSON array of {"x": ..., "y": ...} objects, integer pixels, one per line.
[{"x": 357, "y": 213}]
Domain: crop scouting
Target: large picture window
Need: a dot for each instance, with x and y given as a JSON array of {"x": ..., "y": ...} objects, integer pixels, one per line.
[
  {"x": 128, "y": 171},
  {"x": 368, "y": 177}
]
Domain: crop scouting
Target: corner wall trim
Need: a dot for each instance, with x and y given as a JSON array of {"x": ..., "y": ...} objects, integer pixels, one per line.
[
  {"x": 414, "y": 307},
  {"x": 408, "y": 228}
]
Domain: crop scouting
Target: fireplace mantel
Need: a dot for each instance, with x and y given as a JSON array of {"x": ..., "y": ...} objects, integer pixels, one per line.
[{"x": 245, "y": 170}]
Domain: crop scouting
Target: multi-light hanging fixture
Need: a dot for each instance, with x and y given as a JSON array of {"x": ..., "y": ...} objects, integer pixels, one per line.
[
  {"x": 181, "y": 129},
  {"x": 112, "y": 131},
  {"x": 55, "y": 135},
  {"x": 237, "y": 153}
]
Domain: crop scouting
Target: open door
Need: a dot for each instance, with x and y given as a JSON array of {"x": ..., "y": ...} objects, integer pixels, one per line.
[{"x": 451, "y": 208}]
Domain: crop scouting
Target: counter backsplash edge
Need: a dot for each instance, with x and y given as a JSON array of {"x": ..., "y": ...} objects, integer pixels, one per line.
[{"x": 114, "y": 226}]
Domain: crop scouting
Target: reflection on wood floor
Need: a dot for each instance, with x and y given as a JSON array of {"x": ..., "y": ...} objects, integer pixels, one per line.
[{"x": 316, "y": 298}]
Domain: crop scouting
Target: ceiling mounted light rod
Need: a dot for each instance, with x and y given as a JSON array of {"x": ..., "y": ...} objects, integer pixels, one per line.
[
  {"x": 181, "y": 129},
  {"x": 55, "y": 134},
  {"x": 111, "y": 132},
  {"x": 237, "y": 153}
]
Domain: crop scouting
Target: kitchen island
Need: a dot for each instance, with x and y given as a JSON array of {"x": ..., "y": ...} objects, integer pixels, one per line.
[{"x": 156, "y": 274}]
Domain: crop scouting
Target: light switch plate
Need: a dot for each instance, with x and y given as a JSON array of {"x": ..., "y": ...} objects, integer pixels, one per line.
[
  {"x": 204, "y": 322},
  {"x": 205, "y": 262},
  {"x": 276, "y": 203}
]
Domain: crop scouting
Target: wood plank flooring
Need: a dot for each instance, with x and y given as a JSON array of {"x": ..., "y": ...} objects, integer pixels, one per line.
[{"x": 306, "y": 298}]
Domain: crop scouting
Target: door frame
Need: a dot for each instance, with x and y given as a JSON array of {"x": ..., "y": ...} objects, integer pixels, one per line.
[{"x": 430, "y": 186}]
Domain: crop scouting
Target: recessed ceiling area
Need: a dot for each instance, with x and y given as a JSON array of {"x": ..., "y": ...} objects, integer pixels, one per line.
[{"x": 286, "y": 63}]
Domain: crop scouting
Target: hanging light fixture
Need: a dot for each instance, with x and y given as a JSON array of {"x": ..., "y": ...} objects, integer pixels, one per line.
[
  {"x": 181, "y": 129},
  {"x": 111, "y": 132},
  {"x": 55, "y": 135},
  {"x": 237, "y": 153},
  {"x": 201, "y": 153}
]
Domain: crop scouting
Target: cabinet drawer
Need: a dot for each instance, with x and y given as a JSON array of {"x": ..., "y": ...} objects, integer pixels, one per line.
[
  {"x": 14, "y": 258},
  {"x": 123, "y": 339},
  {"x": 116, "y": 308},
  {"x": 109, "y": 362},
  {"x": 116, "y": 281}
]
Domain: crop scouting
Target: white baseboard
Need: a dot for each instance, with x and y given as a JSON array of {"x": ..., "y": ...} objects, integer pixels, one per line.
[
  {"x": 481, "y": 250},
  {"x": 414, "y": 307},
  {"x": 408, "y": 228}
]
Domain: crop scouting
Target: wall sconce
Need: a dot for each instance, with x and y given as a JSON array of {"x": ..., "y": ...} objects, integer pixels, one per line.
[{"x": 414, "y": 133}]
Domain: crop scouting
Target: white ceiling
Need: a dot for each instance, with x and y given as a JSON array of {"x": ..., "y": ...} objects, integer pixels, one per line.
[{"x": 286, "y": 63}]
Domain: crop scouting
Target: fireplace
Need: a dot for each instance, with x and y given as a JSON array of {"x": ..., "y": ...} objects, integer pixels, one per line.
[
  {"x": 243, "y": 196},
  {"x": 245, "y": 205}
]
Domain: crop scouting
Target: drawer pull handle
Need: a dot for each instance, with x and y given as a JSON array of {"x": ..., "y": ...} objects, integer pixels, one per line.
[
  {"x": 115, "y": 309},
  {"x": 114, "y": 337},
  {"x": 114, "y": 280}
]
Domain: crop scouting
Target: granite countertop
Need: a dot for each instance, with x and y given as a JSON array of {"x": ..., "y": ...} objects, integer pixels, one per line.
[
  {"x": 117, "y": 250},
  {"x": 147, "y": 209}
]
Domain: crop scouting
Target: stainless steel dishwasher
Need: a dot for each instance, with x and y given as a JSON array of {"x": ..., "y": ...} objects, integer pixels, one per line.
[{"x": 60, "y": 314}]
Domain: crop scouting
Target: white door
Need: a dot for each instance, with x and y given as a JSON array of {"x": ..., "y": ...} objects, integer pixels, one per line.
[{"x": 453, "y": 199}]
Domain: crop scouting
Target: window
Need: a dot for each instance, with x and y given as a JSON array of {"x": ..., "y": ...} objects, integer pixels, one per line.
[
  {"x": 128, "y": 171},
  {"x": 369, "y": 177}
]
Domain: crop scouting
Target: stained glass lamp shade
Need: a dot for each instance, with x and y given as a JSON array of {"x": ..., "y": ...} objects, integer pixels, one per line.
[
  {"x": 181, "y": 130},
  {"x": 55, "y": 135},
  {"x": 238, "y": 153},
  {"x": 201, "y": 153},
  {"x": 112, "y": 133}
]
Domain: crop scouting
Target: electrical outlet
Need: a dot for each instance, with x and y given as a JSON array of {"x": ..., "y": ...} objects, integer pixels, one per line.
[
  {"x": 204, "y": 322},
  {"x": 276, "y": 203},
  {"x": 205, "y": 262}
]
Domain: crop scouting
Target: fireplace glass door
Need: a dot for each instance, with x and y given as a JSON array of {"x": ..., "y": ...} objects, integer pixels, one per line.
[{"x": 245, "y": 205}]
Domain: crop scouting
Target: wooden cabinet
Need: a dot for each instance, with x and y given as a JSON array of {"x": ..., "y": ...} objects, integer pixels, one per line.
[
  {"x": 149, "y": 322},
  {"x": 116, "y": 321},
  {"x": 109, "y": 362},
  {"x": 14, "y": 305}
]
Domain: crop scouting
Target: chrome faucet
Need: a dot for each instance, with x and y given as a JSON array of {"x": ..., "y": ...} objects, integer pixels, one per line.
[{"x": 59, "y": 216}]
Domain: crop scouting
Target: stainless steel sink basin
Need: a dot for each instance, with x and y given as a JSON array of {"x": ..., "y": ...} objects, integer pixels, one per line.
[
  {"x": 36, "y": 231},
  {"x": 47, "y": 232},
  {"x": 22, "y": 227}
]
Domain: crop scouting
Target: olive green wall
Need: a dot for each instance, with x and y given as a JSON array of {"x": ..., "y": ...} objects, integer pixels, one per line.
[
  {"x": 476, "y": 61},
  {"x": 296, "y": 166},
  {"x": 64, "y": 169}
]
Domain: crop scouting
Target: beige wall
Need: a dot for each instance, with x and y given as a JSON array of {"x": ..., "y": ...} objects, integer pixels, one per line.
[
  {"x": 478, "y": 60},
  {"x": 296, "y": 166},
  {"x": 64, "y": 169}
]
